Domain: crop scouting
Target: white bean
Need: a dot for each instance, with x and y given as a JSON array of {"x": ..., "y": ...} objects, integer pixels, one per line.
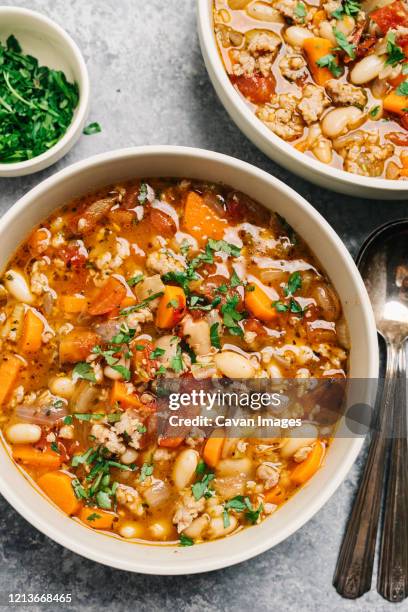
[
  {"x": 198, "y": 335},
  {"x": 235, "y": 467},
  {"x": 216, "y": 527},
  {"x": 23, "y": 433},
  {"x": 130, "y": 529},
  {"x": 308, "y": 435},
  {"x": 264, "y": 12},
  {"x": 17, "y": 285},
  {"x": 234, "y": 365},
  {"x": 129, "y": 456},
  {"x": 184, "y": 468},
  {"x": 296, "y": 35},
  {"x": 326, "y": 31},
  {"x": 340, "y": 120},
  {"x": 197, "y": 526},
  {"x": 367, "y": 69},
  {"x": 63, "y": 386},
  {"x": 346, "y": 25}
]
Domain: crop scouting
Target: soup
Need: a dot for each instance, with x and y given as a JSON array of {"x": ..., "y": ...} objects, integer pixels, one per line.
[
  {"x": 161, "y": 279},
  {"x": 328, "y": 77}
]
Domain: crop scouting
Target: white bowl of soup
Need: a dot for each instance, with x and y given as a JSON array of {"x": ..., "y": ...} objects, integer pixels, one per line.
[
  {"x": 114, "y": 277},
  {"x": 319, "y": 88}
]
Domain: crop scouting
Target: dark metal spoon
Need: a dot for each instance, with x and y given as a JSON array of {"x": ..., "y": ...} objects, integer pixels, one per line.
[{"x": 383, "y": 263}]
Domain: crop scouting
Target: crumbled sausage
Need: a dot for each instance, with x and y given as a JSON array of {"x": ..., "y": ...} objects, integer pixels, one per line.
[
  {"x": 313, "y": 103},
  {"x": 346, "y": 94},
  {"x": 187, "y": 509},
  {"x": 293, "y": 67},
  {"x": 363, "y": 153},
  {"x": 281, "y": 117},
  {"x": 164, "y": 261}
]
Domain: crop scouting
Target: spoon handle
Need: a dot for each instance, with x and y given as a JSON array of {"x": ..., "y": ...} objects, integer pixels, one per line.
[
  {"x": 354, "y": 568},
  {"x": 392, "y": 581}
]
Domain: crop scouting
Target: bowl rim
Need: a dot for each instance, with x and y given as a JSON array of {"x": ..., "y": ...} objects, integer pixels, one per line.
[
  {"x": 178, "y": 566},
  {"x": 73, "y": 132},
  {"x": 253, "y": 124}
]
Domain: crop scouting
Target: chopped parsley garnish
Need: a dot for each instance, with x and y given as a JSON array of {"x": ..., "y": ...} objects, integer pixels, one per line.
[
  {"x": 79, "y": 490},
  {"x": 141, "y": 304},
  {"x": 88, "y": 416},
  {"x": 173, "y": 303},
  {"x": 395, "y": 53},
  {"x": 214, "y": 336},
  {"x": 200, "y": 489},
  {"x": 252, "y": 515},
  {"x": 135, "y": 280},
  {"x": 143, "y": 192},
  {"x": 201, "y": 467},
  {"x": 185, "y": 247},
  {"x": 104, "y": 500},
  {"x": 185, "y": 540},
  {"x": 54, "y": 447},
  {"x": 68, "y": 420},
  {"x": 329, "y": 61},
  {"x": 176, "y": 362},
  {"x": 231, "y": 316},
  {"x": 93, "y": 517},
  {"x": 344, "y": 44},
  {"x": 225, "y": 247},
  {"x": 402, "y": 89},
  {"x": 142, "y": 429},
  {"x": 92, "y": 128},
  {"x": 405, "y": 68},
  {"x": 294, "y": 284},
  {"x": 300, "y": 11},
  {"x": 158, "y": 352},
  {"x": 37, "y": 104},
  {"x": 123, "y": 371},
  {"x": 145, "y": 472},
  {"x": 235, "y": 280},
  {"x": 374, "y": 111},
  {"x": 350, "y": 7},
  {"x": 84, "y": 370}
]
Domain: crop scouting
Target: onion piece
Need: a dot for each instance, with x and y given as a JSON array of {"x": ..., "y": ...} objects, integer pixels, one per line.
[
  {"x": 41, "y": 415},
  {"x": 84, "y": 396}
]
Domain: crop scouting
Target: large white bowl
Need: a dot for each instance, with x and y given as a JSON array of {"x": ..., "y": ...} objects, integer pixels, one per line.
[
  {"x": 44, "y": 39},
  {"x": 120, "y": 165},
  {"x": 276, "y": 148}
]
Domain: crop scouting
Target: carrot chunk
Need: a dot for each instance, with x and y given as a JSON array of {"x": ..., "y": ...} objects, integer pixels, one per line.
[
  {"x": 316, "y": 48},
  {"x": 170, "y": 442},
  {"x": 171, "y": 307},
  {"x": 97, "y": 518},
  {"x": 201, "y": 221},
  {"x": 31, "y": 337},
  {"x": 394, "y": 103},
  {"x": 212, "y": 451},
  {"x": 28, "y": 455},
  {"x": 77, "y": 345},
  {"x": 120, "y": 395},
  {"x": 9, "y": 370},
  {"x": 259, "y": 303},
  {"x": 108, "y": 298},
  {"x": 58, "y": 487},
  {"x": 310, "y": 465},
  {"x": 276, "y": 495},
  {"x": 73, "y": 304}
]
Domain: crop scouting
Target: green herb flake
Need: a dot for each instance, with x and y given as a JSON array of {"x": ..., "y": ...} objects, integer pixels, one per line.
[
  {"x": 143, "y": 193},
  {"x": 54, "y": 447},
  {"x": 68, "y": 420},
  {"x": 200, "y": 489},
  {"x": 373, "y": 112},
  {"x": 214, "y": 336},
  {"x": 402, "y": 89},
  {"x": 103, "y": 500},
  {"x": 231, "y": 316},
  {"x": 176, "y": 362},
  {"x": 395, "y": 53},
  {"x": 93, "y": 517},
  {"x": 185, "y": 540},
  {"x": 294, "y": 284},
  {"x": 135, "y": 280},
  {"x": 92, "y": 128},
  {"x": 329, "y": 61},
  {"x": 252, "y": 515},
  {"x": 300, "y": 11},
  {"x": 344, "y": 44},
  {"x": 158, "y": 352},
  {"x": 145, "y": 472},
  {"x": 84, "y": 370}
]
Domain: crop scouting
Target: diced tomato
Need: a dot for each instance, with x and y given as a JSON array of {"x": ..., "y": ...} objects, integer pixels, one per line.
[
  {"x": 77, "y": 344},
  {"x": 86, "y": 221},
  {"x": 398, "y": 138},
  {"x": 123, "y": 218},
  {"x": 390, "y": 16},
  {"x": 162, "y": 223},
  {"x": 257, "y": 89},
  {"x": 253, "y": 325},
  {"x": 404, "y": 122},
  {"x": 108, "y": 298},
  {"x": 73, "y": 255},
  {"x": 365, "y": 47}
]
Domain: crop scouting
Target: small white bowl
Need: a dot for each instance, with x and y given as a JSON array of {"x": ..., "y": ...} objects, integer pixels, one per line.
[
  {"x": 276, "y": 148},
  {"x": 114, "y": 167},
  {"x": 42, "y": 38}
]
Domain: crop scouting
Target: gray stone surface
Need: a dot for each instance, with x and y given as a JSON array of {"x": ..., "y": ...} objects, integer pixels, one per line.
[{"x": 150, "y": 86}]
